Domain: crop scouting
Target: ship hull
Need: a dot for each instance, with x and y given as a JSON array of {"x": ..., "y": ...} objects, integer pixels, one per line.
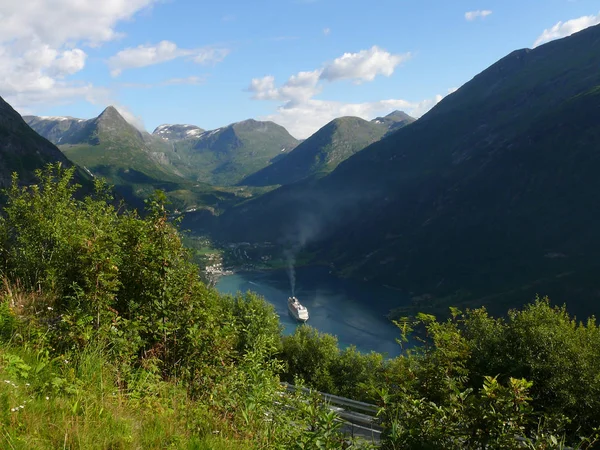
[{"x": 295, "y": 316}]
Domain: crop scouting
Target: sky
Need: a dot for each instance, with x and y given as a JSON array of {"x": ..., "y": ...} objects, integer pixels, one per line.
[{"x": 299, "y": 63}]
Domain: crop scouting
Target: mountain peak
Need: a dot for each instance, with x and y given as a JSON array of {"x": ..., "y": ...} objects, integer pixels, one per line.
[
  {"x": 111, "y": 112},
  {"x": 399, "y": 115},
  {"x": 394, "y": 120},
  {"x": 110, "y": 120}
]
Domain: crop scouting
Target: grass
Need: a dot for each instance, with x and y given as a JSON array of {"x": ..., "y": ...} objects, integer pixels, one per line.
[{"x": 63, "y": 404}]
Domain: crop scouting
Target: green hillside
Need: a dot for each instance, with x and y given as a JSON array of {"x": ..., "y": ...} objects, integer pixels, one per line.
[
  {"x": 321, "y": 152},
  {"x": 226, "y": 155}
]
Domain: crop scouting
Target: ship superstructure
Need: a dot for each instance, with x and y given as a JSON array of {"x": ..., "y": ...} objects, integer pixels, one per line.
[{"x": 299, "y": 311}]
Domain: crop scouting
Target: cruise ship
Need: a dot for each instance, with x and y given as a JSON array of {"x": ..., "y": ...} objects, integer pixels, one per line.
[{"x": 297, "y": 310}]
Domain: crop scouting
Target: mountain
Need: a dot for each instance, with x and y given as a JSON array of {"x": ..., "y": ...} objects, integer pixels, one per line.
[
  {"x": 395, "y": 120},
  {"x": 226, "y": 155},
  {"x": 170, "y": 132},
  {"x": 109, "y": 146},
  {"x": 21, "y": 149},
  {"x": 489, "y": 198},
  {"x": 324, "y": 150}
]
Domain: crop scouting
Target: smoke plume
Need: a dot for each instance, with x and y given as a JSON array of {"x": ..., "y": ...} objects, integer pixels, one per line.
[{"x": 291, "y": 270}]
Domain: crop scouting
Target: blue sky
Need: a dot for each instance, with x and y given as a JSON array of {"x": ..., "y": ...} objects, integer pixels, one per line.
[{"x": 297, "y": 62}]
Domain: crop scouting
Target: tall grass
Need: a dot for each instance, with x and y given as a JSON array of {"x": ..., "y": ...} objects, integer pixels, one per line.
[{"x": 77, "y": 404}]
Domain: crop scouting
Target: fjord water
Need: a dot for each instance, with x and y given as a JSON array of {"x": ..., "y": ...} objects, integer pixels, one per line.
[{"x": 352, "y": 311}]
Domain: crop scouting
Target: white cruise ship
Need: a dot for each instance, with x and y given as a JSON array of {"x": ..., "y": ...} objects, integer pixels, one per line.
[{"x": 297, "y": 310}]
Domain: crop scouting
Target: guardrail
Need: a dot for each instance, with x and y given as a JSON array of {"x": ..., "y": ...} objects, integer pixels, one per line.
[{"x": 358, "y": 418}]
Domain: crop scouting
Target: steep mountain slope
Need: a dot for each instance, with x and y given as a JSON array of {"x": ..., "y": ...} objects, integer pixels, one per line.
[
  {"x": 177, "y": 132},
  {"x": 21, "y": 149},
  {"x": 322, "y": 152},
  {"x": 493, "y": 193},
  {"x": 226, "y": 155}
]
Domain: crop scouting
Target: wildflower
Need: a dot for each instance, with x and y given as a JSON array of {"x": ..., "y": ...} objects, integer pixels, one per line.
[
  {"x": 47, "y": 398},
  {"x": 50, "y": 308},
  {"x": 7, "y": 381},
  {"x": 27, "y": 384},
  {"x": 13, "y": 409}
]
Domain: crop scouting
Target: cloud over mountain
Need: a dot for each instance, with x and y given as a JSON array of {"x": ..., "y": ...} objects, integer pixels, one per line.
[{"x": 302, "y": 114}]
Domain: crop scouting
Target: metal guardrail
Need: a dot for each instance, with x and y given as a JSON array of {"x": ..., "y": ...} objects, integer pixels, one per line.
[
  {"x": 336, "y": 400},
  {"x": 362, "y": 424}
]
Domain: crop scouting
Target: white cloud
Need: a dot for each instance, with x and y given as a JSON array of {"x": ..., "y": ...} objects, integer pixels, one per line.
[
  {"x": 363, "y": 66},
  {"x": 70, "y": 62},
  {"x": 326, "y": 31},
  {"x": 302, "y": 114},
  {"x": 192, "y": 80},
  {"x": 472, "y": 15},
  {"x": 130, "y": 116},
  {"x": 209, "y": 55},
  {"x": 564, "y": 29},
  {"x": 60, "y": 21},
  {"x": 148, "y": 55},
  {"x": 41, "y": 46},
  {"x": 298, "y": 89}
]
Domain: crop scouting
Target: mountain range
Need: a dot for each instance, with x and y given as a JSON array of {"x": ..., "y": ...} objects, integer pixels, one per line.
[
  {"x": 113, "y": 148},
  {"x": 135, "y": 162},
  {"x": 494, "y": 193}
]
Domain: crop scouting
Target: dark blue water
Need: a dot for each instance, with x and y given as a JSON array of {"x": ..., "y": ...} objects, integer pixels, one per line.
[{"x": 352, "y": 311}]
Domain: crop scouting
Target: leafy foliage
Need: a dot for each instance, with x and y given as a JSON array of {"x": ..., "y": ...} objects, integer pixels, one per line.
[{"x": 440, "y": 395}]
